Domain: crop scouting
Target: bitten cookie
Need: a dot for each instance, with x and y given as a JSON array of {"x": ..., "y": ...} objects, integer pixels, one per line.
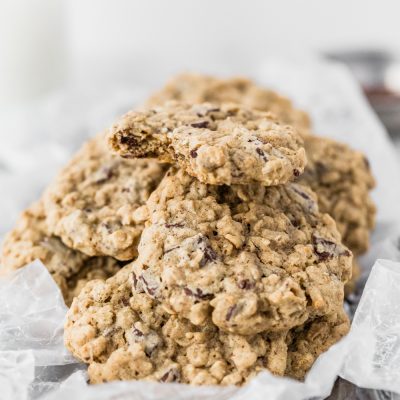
[
  {"x": 94, "y": 205},
  {"x": 224, "y": 144},
  {"x": 30, "y": 240},
  {"x": 251, "y": 258},
  {"x": 339, "y": 175},
  {"x": 196, "y": 88},
  {"x": 126, "y": 335},
  {"x": 342, "y": 179}
]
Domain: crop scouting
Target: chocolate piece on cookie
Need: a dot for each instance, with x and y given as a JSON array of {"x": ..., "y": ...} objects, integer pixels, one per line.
[
  {"x": 342, "y": 179},
  {"x": 30, "y": 240},
  {"x": 123, "y": 334},
  {"x": 224, "y": 144},
  {"x": 94, "y": 205},
  {"x": 196, "y": 88},
  {"x": 251, "y": 258}
]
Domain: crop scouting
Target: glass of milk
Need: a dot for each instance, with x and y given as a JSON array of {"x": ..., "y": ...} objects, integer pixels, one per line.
[{"x": 32, "y": 49}]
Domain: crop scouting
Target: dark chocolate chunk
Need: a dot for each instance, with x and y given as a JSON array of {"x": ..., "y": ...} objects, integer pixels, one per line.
[
  {"x": 231, "y": 312},
  {"x": 201, "y": 124},
  {"x": 245, "y": 284}
]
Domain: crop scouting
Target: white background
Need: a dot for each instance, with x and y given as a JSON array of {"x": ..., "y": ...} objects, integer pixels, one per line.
[{"x": 46, "y": 43}]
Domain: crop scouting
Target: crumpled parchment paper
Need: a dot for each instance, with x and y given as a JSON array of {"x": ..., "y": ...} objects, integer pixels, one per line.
[{"x": 33, "y": 361}]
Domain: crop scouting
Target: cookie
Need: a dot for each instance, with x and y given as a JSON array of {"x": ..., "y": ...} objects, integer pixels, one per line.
[
  {"x": 224, "y": 144},
  {"x": 312, "y": 340},
  {"x": 350, "y": 286},
  {"x": 342, "y": 179},
  {"x": 196, "y": 88},
  {"x": 30, "y": 240},
  {"x": 94, "y": 205},
  {"x": 250, "y": 258},
  {"x": 125, "y": 335},
  {"x": 339, "y": 175}
]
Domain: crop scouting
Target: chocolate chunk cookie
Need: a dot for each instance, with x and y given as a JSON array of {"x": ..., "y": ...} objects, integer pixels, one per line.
[
  {"x": 251, "y": 258},
  {"x": 339, "y": 175},
  {"x": 342, "y": 179},
  {"x": 126, "y": 335},
  {"x": 224, "y": 144},
  {"x": 94, "y": 205},
  {"x": 196, "y": 88},
  {"x": 30, "y": 240}
]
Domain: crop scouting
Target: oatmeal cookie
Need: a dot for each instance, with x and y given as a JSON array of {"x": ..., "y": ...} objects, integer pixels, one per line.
[
  {"x": 252, "y": 258},
  {"x": 312, "y": 339},
  {"x": 350, "y": 286},
  {"x": 123, "y": 334},
  {"x": 94, "y": 205},
  {"x": 30, "y": 240},
  {"x": 224, "y": 144},
  {"x": 342, "y": 179},
  {"x": 339, "y": 175},
  {"x": 196, "y": 88}
]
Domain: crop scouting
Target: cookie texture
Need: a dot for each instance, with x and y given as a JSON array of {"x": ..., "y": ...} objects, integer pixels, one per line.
[
  {"x": 342, "y": 179},
  {"x": 224, "y": 144},
  {"x": 94, "y": 205},
  {"x": 250, "y": 258},
  {"x": 30, "y": 240},
  {"x": 339, "y": 175},
  {"x": 351, "y": 285},
  {"x": 197, "y": 88},
  {"x": 123, "y": 334}
]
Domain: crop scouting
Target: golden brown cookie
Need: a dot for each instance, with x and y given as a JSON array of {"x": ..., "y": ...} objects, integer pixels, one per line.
[
  {"x": 252, "y": 258},
  {"x": 126, "y": 335},
  {"x": 342, "y": 179},
  {"x": 30, "y": 240},
  {"x": 224, "y": 144},
  {"x": 94, "y": 205},
  {"x": 196, "y": 88}
]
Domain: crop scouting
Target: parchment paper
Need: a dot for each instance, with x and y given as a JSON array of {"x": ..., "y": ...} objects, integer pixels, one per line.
[{"x": 33, "y": 361}]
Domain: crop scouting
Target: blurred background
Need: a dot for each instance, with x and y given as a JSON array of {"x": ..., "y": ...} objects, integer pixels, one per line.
[{"x": 45, "y": 44}]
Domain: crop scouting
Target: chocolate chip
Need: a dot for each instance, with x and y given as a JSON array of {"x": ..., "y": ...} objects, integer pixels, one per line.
[
  {"x": 296, "y": 172},
  {"x": 245, "y": 284},
  {"x": 329, "y": 248},
  {"x": 134, "y": 280},
  {"x": 209, "y": 256},
  {"x": 301, "y": 193},
  {"x": 171, "y": 375},
  {"x": 198, "y": 294},
  {"x": 151, "y": 291},
  {"x": 128, "y": 140},
  {"x": 171, "y": 249},
  {"x": 261, "y": 153},
  {"x": 137, "y": 332},
  {"x": 346, "y": 253},
  {"x": 201, "y": 124},
  {"x": 193, "y": 153},
  {"x": 174, "y": 225},
  {"x": 125, "y": 301},
  {"x": 231, "y": 312},
  {"x": 108, "y": 227}
]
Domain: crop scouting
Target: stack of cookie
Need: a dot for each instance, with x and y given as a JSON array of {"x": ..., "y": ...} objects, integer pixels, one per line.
[{"x": 227, "y": 253}]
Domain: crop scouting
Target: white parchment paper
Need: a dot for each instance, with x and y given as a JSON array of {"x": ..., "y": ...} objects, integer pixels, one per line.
[{"x": 33, "y": 361}]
